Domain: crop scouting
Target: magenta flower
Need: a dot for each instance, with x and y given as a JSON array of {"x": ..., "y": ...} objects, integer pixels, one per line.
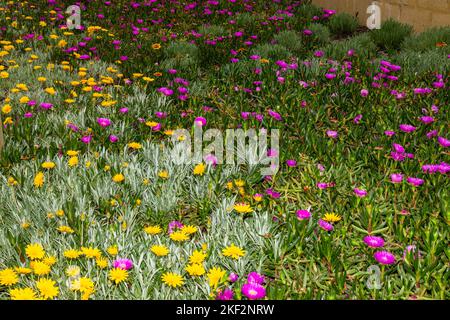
[
  {"x": 125, "y": 264},
  {"x": 411, "y": 248},
  {"x": 444, "y": 142},
  {"x": 414, "y": 181},
  {"x": 227, "y": 294},
  {"x": 325, "y": 225},
  {"x": 86, "y": 139},
  {"x": 384, "y": 257},
  {"x": 255, "y": 277},
  {"x": 407, "y": 128},
  {"x": 113, "y": 138},
  {"x": 211, "y": 159},
  {"x": 291, "y": 163},
  {"x": 360, "y": 192},
  {"x": 104, "y": 122},
  {"x": 46, "y": 105},
  {"x": 389, "y": 133},
  {"x": 253, "y": 291},
  {"x": 396, "y": 177},
  {"x": 364, "y": 93},
  {"x": 174, "y": 225},
  {"x": 233, "y": 277},
  {"x": 200, "y": 122},
  {"x": 374, "y": 241},
  {"x": 303, "y": 214},
  {"x": 332, "y": 134}
]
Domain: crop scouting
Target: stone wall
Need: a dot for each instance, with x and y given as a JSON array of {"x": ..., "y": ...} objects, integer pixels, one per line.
[{"x": 421, "y": 14}]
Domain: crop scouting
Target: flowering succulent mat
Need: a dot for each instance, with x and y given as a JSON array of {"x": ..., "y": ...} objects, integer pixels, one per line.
[{"x": 92, "y": 207}]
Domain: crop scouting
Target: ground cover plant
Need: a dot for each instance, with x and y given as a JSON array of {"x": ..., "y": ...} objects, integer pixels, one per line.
[{"x": 92, "y": 207}]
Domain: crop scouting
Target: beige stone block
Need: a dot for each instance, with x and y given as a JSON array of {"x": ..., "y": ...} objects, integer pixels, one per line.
[{"x": 440, "y": 19}]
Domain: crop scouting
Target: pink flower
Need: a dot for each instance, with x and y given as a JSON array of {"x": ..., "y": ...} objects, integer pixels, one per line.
[
  {"x": 364, "y": 93},
  {"x": 200, "y": 122},
  {"x": 227, "y": 294},
  {"x": 233, "y": 277},
  {"x": 86, "y": 139},
  {"x": 360, "y": 192},
  {"x": 255, "y": 277},
  {"x": 253, "y": 291},
  {"x": 303, "y": 214},
  {"x": 125, "y": 264},
  {"x": 325, "y": 225},
  {"x": 332, "y": 134},
  {"x": 374, "y": 241},
  {"x": 104, "y": 122},
  {"x": 407, "y": 128},
  {"x": 396, "y": 177},
  {"x": 174, "y": 225},
  {"x": 291, "y": 163},
  {"x": 389, "y": 133},
  {"x": 46, "y": 105},
  {"x": 384, "y": 257},
  {"x": 210, "y": 159},
  {"x": 444, "y": 142},
  {"x": 414, "y": 181},
  {"x": 113, "y": 138},
  {"x": 411, "y": 248}
]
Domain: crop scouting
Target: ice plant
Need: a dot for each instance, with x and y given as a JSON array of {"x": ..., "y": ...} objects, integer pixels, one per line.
[
  {"x": 374, "y": 241},
  {"x": 303, "y": 214},
  {"x": 125, "y": 264},
  {"x": 253, "y": 291},
  {"x": 384, "y": 257}
]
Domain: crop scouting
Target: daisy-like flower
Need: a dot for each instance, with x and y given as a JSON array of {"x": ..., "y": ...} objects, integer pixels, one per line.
[
  {"x": 112, "y": 250},
  {"x": 384, "y": 257},
  {"x": 23, "y": 294},
  {"x": 331, "y": 217},
  {"x": 153, "y": 230},
  {"x": 101, "y": 262},
  {"x": 73, "y": 271},
  {"x": 188, "y": 229},
  {"x": 125, "y": 264},
  {"x": 47, "y": 288},
  {"x": 303, "y": 214},
  {"x": 215, "y": 276},
  {"x": 118, "y": 178},
  {"x": 227, "y": 294},
  {"x": 160, "y": 250},
  {"x": 118, "y": 275},
  {"x": 135, "y": 145},
  {"x": 23, "y": 270},
  {"x": 197, "y": 257},
  {"x": 48, "y": 165},
  {"x": 163, "y": 174},
  {"x": 40, "y": 268},
  {"x": 179, "y": 236},
  {"x": 199, "y": 169},
  {"x": 195, "y": 269},
  {"x": 34, "y": 251},
  {"x": 374, "y": 241},
  {"x": 72, "y": 254},
  {"x": 253, "y": 291},
  {"x": 233, "y": 252},
  {"x": 8, "y": 277},
  {"x": 39, "y": 180},
  {"x": 325, "y": 225},
  {"x": 255, "y": 277},
  {"x": 243, "y": 208},
  {"x": 65, "y": 229},
  {"x": 91, "y": 252},
  {"x": 73, "y": 161},
  {"x": 172, "y": 279}
]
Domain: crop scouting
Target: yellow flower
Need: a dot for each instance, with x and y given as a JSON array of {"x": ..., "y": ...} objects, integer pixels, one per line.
[
  {"x": 48, "y": 165},
  {"x": 65, "y": 229},
  {"x": 60, "y": 213},
  {"x": 199, "y": 169},
  {"x": 197, "y": 257},
  {"x": 233, "y": 252},
  {"x": 35, "y": 251},
  {"x": 23, "y": 294},
  {"x": 50, "y": 260},
  {"x": 156, "y": 46},
  {"x": 72, "y": 153},
  {"x": 12, "y": 181},
  {"x": 331, "y": 217},
  {"x": 257, "y": 197},
  {"x": 215, "y": 276},
  {"x": 113, "y": 250},
  {"x": 153, "y": 230},
  {"x": 50, "y": 91},
  {"x": 23, "y": 270},
  {"x": 73, "y": 161},
  {"x": 188, "y": 229},
  {"x": 39, "y": 180},
  {"x": 8, "y": 277},
  {"x": 107, "y": 168},
  {"x": 40, "y": 268},
  {"x": 73, "y": 271},
  {"x": 239, "y": 183},
  {"x": 179, "y": 236},
  {"x": 243, "y": 208},
  {"x": 134, "y": 145},
  {"x": 47, "y": 288},
  {"x": 118, "y": 275},
  {"x": 4, "y": 75},
  {"x": 118, "y": 178},
  {"x": 91, "y": 252},
  {"x": 101, "y": 262},
  {"x": 6, "y": 109},
  {"x": 195, "y": 270},
  {"x": 160, "y": 250},
  {"x": 172, "y": 279},
  {"x": 83, "y": 284},
  {"x": 72, "y": 254},
  {"x": 163, "y": 174}
]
